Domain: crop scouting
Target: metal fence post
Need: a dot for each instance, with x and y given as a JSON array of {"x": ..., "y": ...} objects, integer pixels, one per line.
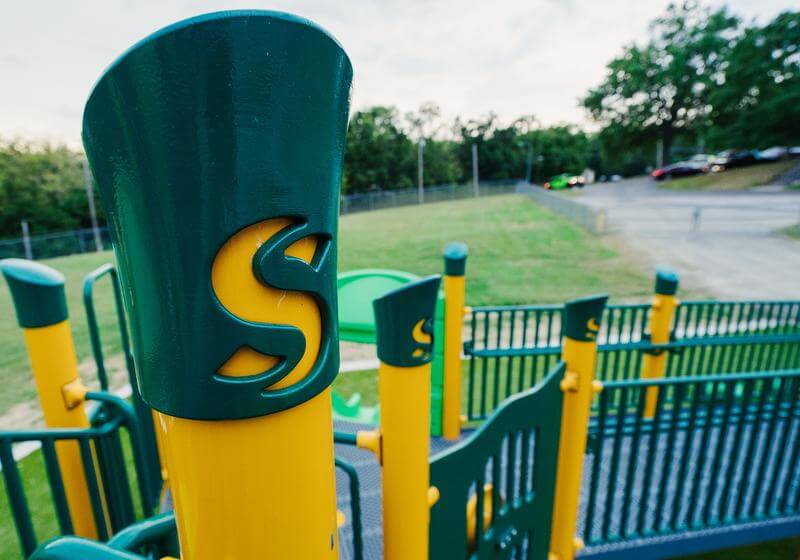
[
  {"x": 403, "y": 320},
  {"x": 235, "y": 335},
  {"x": 662, "y": 312},
  {"x": 581, "y": 323},
  {"x": 38, "y": 294}
]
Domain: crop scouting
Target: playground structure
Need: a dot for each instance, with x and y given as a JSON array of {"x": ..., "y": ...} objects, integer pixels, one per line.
[{"x": 603, "y": 430}]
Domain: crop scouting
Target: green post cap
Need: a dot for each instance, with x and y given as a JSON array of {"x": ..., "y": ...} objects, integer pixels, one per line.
[
  {"x": 666, "y": 282},
  {"x": 206, "y": 127},
  {"x": 455, "y": 258},
  {"x": 37, "y": 291},
  {"x": 404, "y": 321},
  {"x": 582, "y": 317}
]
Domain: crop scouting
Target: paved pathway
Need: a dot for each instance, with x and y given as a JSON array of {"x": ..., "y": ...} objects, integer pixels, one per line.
[{"x": 723, "y": 243}]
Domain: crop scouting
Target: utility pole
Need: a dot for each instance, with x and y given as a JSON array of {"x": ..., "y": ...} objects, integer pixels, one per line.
[
  {"x": 529, "y": 163},
  {"x": 26, "y": 240},
  {"x": 475, "y": 182},
  {"x": 89, "y": 182},
  {"x": 659, "y": 153},
  {"x": 421, "y": 171}
]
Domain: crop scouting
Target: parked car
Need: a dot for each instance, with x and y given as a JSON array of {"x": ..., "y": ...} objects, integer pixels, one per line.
[
  {"x": 565, "y": 181},
  {"x": 794, "y": 151},
  {"x": 775, "y": 153},
  {"x": 730, "y": 159},
  {"x": 679, "y": 169}
]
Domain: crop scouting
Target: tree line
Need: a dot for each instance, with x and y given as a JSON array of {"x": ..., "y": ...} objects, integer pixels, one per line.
[{"x": 704, "y": 80}]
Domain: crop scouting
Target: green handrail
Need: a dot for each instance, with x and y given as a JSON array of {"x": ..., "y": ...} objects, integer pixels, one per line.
[
  {"x": 119, "y": 414},
  {"x": 143, "y": 411}
]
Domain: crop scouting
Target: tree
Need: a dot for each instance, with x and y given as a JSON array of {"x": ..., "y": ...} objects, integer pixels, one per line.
[
  {"x": 379, "y": 154},
  {"x": 758, "y": 103},
  {"x": 42, "y": 184},
  {"x": 663, "y": 87}
]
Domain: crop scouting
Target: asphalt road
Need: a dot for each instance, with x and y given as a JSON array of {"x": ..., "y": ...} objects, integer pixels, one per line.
[{"x": 725, "y": 244}]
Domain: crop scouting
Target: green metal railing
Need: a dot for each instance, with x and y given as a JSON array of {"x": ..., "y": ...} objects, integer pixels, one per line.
[
  {"x": 718, "y": 451},
  {"x": 143, "y": 412},
  {"x": 510, "y": 348},
  {"x": 104, "y": 466}
]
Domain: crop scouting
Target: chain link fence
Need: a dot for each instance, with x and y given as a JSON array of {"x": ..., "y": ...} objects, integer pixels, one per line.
[
  {"x": 51, "y": 245},
  {"x": 82, "y": 240}
]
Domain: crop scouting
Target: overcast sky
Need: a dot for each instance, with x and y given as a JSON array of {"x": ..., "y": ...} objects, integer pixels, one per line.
[{"x": 512, "y": 57}]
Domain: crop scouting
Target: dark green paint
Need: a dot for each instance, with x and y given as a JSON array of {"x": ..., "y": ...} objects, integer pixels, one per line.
[
  {"x": 396, "y": 315},
  {"x": 667, "y": 282},
  {"x": 455, "y": 259},
  {"x": 200, "y": 130},
  {"x": 535, "y": 412},
  {"x": 582, "y": 318},
  {"x": 37, "y": 291}
]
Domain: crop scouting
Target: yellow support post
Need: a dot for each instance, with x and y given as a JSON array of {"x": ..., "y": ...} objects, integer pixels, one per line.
[
  {"x": 217, "y": 147},
  {"x": 580, "y": 325},
  {"x": 38, "y": 294},
  {"x": 455, "y": 260},
  {"x": 404, "y": 322},
  {"x": 662, "y": 314}
]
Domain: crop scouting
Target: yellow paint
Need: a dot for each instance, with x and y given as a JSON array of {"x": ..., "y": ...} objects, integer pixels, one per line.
[
  {"x": 404, "y": 393},
  {"x": 370, "y": 440},
  {"x": 578, "y": 388},
  {"x": 259, "y": 487},
  {"x": 472, "y": 514},
  {"x": 453, "y": 321},
  {"x": 240, "y": 292},
  {"x": 654, "y": 366},
  {"x": 55, "y": 367}
]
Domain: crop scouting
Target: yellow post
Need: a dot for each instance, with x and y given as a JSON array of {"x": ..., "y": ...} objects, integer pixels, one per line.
[
  {"x": 38, "y": 294},
  {"x": 581, "y": 323},
  {"x": 217, "y": 147},
  {"x": 455, "y": 259},
  {"x": 404, "y": 338},
  {"x": 662, "y": 314}
]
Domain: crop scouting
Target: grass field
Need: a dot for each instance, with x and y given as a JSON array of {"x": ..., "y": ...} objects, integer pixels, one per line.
[
  {"x": 792, "y": 231},
  {"x": 519, "y": 253},
  {"x": 733, "y": 180}
]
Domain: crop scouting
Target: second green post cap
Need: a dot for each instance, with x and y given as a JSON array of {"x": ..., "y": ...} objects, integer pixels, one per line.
[
  {"x": 37, "y": 291},
  {"x": 582, "y": 318},
  {"x": 455, "y": 258},
  {"x": 666, "y": 281}
]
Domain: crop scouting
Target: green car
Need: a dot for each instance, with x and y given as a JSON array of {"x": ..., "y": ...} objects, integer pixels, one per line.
[{"x": 564, "y": 181}]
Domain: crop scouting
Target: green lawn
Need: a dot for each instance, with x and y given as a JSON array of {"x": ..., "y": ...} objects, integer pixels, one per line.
[
  {"x": 732, "y": 180},
  {"x": 520, "y": 253}
]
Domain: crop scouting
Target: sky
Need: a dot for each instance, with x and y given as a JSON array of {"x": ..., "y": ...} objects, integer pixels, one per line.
[{"x": 471, "y": 57}]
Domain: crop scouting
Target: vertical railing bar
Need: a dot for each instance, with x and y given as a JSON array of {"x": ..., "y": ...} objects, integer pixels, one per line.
[
  {"x": 471, "y": 378},
  {"x": 597, "y": 460},
  {"x": 677, "y": 403},
  {"x": 719, "y": 450},
  {"x": 633, "y": 460},
  {"x": 781, "y": 449},
  {"x": 614, "y": 467},
  {"x": 701, "y": 463},
  {"x": 87, "y": 458},
  {"x": 730, "y": 471},
  {"x": 57, "y": 490},
  {"x": 763, "y": 459},
  {"x": 17, "y": 500},
  {"x": 686, "y": 453},
  {"x": 652, "y": 446},
  {"x": 755, "y": 433}
]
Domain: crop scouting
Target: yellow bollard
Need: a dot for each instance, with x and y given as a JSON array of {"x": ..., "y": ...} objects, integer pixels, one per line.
[
  {"x": 662, "y": 314},
  {"x": 38, "y": 294},
  {"x": 581, "y": 323},
  {"x": 455, "y": 259},
  {"x": 404, "y": 320},
  {"x": 217, "y": 147}
]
